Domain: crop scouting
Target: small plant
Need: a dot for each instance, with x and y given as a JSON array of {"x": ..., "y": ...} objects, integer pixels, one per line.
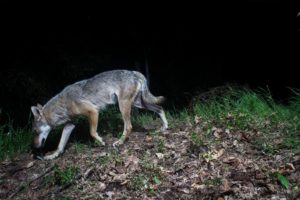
[
  {"x": 213, "y": 182},
  {"x": 281, "y": 179},
  {"x": 139, "y": 183},
  {"x": 147, "y": 178},
  {"x": 14, "y": 140},
  {"x": 117, "y": 159},
  {"x": 195, "y": 138},
  {"x": 142, "y": 182},
  {"x": 64, "y": 198},
  {"x": 161, "y": 145},
  {"x": 66, "y": 176},
  {"x": 104, "y": 160},
  {"x": 208, "y": 156},
  {"x": 142, "y": 118},
  {"x": 269, "y": 148},
  {"x": 180, "y": 118},
  {"x": 156, "y": 180},
  {"x": 110, "y": 158},
  {"x": 79, "y": 147},
  {"x": 49, "y": 181}
]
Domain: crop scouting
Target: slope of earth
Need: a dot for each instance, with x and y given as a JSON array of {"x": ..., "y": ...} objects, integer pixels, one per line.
[{"x": 190, "y": 161}]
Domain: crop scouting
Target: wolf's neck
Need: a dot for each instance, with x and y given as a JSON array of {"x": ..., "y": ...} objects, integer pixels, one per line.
[{"x": 55, "y": 111}]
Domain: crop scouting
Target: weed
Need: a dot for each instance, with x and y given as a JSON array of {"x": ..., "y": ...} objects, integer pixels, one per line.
[
  {"x": 79, "y": 147},
  {"x": 161, "y": 145},
  {"x": 147, "y": 178},
  {"x": 66, "y": 176},
  {"x": 113, "y": 157},
  {"x": 281, "y": 179},
  {"x": 196, "y": 139},
  {"x": 142, "y": 119},
  {"x": 213, "y": 182},
  {"x": 104, "y": 160},
  {"x": 13, "y": 141},
  {"x": 252, "y": 111}
]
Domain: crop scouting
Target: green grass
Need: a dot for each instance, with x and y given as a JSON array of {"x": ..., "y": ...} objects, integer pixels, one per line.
[
  {"x": 14, "y": 141},
  {"x": 61, "y": 176},
  {"x": 113, "y": 157},
  {"x": 79, "y": 147},
  {"x": 236, "y": 109},
  {"x": 254, "y": 111},
  {"x": 140, "y": 118},
  {"x": 147, "y": 177}
]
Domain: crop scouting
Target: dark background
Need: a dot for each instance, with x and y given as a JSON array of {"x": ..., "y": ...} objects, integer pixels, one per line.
[{"x": 188, "y": 48}]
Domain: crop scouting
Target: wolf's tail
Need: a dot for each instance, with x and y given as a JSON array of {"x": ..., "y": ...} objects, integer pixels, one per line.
[{"x": 150, "y": 98}]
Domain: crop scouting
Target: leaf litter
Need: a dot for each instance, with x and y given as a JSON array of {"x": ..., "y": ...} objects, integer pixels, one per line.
[{"x": 187, "y": 162}]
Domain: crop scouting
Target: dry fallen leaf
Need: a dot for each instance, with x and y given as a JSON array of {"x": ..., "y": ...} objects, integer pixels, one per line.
[
  {"x": 196, "y": 186},
  {"x": 160, "y": 155},
  {"x": 225, "y": 186},
  {"x": 229, "y": 116},
  {"x": 197, "y": 119},
  {"x": 287, "y": 168},
  {"x": 232, "y": 160},
  {"x": 131, "y": 160},
  {"x": 235, "y": 143},
  {"x": 170, "y": 145},
  {"x": 218, "y": 154},
  {"x": 148, "y": 139},
  {"x": 185, "y": 190},
  {"x": 30, "y": 164},
  {"x": 110, "y": 194},
  {"x": 101, "y": 186},
  {"x": 120, "y": 177}
]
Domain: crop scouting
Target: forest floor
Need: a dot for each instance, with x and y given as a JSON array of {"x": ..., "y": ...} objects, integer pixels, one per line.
[
  {"x": 180, "y": 163},
  {"x": 238, "y": 145}
]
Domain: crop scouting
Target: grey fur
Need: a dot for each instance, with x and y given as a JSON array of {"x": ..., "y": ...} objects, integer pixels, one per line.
[{"x": 95, "y": 94}]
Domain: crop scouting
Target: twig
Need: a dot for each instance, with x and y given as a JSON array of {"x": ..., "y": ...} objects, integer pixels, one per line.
[
  {"x": 59, "y": 189},
  {"x": 88, "y": 172},
  {"x": 21, "y": 187}
]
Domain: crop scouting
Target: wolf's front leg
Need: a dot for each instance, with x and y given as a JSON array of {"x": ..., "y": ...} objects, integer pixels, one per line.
[
  {"x": 62, "y": 143},
  {"x": 125, "y": 108}
]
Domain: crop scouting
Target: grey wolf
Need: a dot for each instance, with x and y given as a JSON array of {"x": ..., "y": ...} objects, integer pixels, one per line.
[{"x": 87, "y": 98}]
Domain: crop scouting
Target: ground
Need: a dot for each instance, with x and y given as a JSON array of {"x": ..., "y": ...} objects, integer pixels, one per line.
[{"x": 187, "y": 161}]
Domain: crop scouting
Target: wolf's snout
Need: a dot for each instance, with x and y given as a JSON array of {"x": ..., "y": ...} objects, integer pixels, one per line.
[
  {"x": 43, "y": 141},
  {"x": 39, "y": 143}
]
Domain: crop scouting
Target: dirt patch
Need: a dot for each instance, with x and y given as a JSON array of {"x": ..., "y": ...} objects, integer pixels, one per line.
[{"x": 182, "y": 163}]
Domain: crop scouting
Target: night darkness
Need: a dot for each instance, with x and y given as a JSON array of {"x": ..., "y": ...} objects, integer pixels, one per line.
[{"x": 188, "y": 48}]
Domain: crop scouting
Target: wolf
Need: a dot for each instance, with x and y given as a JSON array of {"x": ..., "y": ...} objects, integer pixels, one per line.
[{"x": 87, "y": 98}]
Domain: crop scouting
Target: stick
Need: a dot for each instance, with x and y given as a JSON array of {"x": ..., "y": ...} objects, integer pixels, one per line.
[{"x": 21, "y": 187}]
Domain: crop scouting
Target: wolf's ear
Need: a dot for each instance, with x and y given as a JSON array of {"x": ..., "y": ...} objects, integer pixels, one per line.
[
  {"x": 40, "y": 106},
  {"x": 36, "y": 111}
]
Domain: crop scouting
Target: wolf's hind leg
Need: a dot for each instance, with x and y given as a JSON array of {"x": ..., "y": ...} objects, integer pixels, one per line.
[
  {"x": 62, "y": 143},
  {"x": 155, "y": 108}
]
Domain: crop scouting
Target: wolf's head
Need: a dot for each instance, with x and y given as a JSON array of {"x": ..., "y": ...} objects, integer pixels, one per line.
[{"x": 40, "y": 126}]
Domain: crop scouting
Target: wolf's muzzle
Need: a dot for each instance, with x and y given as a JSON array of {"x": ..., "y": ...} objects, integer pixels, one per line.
[{"x": 43, "y": 142}]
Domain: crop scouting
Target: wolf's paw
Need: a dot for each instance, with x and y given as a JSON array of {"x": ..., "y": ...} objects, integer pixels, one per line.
[
  {"x": 40, "y": 157},
  {"x": 164, "y": 128},
  {"x": 52, "y": 156},
  {"x": 100, "y": 142}
]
